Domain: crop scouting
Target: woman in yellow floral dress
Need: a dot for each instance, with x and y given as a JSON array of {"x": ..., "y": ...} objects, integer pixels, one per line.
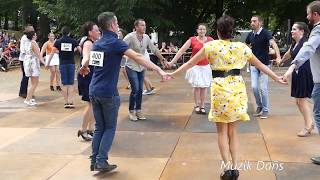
[{"x": 228, "y": 91}]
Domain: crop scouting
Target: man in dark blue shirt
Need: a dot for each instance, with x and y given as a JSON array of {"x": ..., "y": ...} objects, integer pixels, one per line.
[
  {"x": 259, "y": 40},
  {"x": 106, "y": 57},
  {"x": 66, "y": 47}
]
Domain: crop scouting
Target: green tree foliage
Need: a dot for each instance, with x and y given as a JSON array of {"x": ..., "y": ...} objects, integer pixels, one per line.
[{"x": 179, "y": 17}]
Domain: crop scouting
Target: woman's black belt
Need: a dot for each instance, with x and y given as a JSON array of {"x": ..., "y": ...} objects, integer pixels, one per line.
[{"x": 232, "y": 72}]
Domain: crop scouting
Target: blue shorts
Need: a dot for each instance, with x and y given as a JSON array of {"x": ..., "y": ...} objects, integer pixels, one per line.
[{"x": 67, "y": 74}]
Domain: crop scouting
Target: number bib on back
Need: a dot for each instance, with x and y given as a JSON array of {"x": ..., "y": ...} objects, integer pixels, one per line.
[
  {"x": 96, "y": 58},
  {"x": 66, "y": 47}
]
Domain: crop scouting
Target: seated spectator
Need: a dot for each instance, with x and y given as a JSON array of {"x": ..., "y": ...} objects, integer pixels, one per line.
[
  {"x": 172, "y": 48},
  {"x": 163, "y": 48}
]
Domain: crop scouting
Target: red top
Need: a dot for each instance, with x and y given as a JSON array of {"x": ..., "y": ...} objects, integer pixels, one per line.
[{"x": 196, "y": 45}]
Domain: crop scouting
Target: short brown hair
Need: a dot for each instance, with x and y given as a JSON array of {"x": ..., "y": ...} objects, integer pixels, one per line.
[
  {"x": 225, "y": 26},
  {"x": 105, "y": 20},
  {"x": 136, "y": 22},
  {"x": 314, "y": 6},
  {"x": 260, "y": 19}
]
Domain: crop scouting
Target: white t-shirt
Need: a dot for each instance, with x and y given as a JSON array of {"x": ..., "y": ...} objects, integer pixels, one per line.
[{"x": 23, "y": 46}]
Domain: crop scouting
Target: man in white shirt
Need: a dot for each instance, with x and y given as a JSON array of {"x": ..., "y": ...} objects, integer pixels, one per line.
[{"x": 25, "y": 79}]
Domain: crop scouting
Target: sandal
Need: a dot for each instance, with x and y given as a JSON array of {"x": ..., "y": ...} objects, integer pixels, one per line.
[
  {"x": 306, "y": 131},
  {"x": 203, "y": 110},
  {"x": 197, "y": 109}
]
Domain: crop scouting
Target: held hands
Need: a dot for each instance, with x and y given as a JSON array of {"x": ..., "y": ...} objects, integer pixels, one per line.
[
  {"x": 288, "y": 73},
  {"x": 84, "y": 70},
  {"x": 280, "y": 79},
  {"x": 164, "y": 76},
  {"x": 286, "y": 76}
]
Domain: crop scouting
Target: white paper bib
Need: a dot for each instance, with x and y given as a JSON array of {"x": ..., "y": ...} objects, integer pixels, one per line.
[
  {"x": 66, "y": 47},
  {"x": 96, "y": 58}
]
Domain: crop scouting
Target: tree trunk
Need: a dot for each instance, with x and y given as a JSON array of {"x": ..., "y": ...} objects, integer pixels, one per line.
[
  {"x": 6, "y": 23},
  {"x": 16, "y": 22},
  {"x": 44, "y": 28},
  {"x": 219, "y": 10},
  {"x": 218, "y": 14}
]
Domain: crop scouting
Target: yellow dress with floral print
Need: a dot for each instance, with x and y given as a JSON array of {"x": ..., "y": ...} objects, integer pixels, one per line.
[{"x": 228, "y": 95}]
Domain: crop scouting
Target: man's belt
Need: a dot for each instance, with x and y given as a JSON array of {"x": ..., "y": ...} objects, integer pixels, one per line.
[{"x": 232, "y": 72}]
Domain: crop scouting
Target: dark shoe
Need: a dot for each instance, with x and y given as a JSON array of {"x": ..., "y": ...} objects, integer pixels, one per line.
[
  {"x": 66, "y": 105},
  {"x": 23, "y": 95},
  {"x": 71, "y": 105},
  {"x": 90, "y": 132},
  {"x": 235, "y": 174},
  {"x": 258, "y": 111},
  {"x": 92, "y": 163},
  {"x": 105, "y": 167},
  {"x": 51, "y": 88},
  {"x": 84, "y": 135},
  {"x": 59, "y": 88},
  {"x": 316, "y": 160},
  {"x": 226, "y": 175}
]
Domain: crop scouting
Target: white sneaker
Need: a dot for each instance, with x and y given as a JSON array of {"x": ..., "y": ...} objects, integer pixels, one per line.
[
  {"x": 30, "y": 103},
  {"x": 140, "y": 116},
  {"x": 33, "y": 101},
  {"x": 153, "y": 90},
  {"x": 145, "y": 92},
  {"x": 149, "y": 92},
  {"x": 132, "y": 116}
]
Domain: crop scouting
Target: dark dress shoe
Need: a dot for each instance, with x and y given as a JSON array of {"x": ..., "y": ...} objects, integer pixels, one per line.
[
  {"x": 23, "y": 95},
  {"x": 59, "y": 88},
  {"x": 235, "y": 174},
  {"x": 316, "y": 160},
  {"x": 226, "y": 175},
  {"x": 90, "y": 132},
  {"x": 106, "y": 167},
  {"x": 51, "y": 88}
]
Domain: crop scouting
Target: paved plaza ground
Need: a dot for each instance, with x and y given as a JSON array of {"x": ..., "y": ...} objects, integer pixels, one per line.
[{"x": 173, "y": 144}]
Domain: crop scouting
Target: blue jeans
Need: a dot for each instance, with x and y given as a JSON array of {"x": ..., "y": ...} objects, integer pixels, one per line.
[
  {"x": 67, "y": 74},
  {"x": 259, "y": 83},
  {"x": 105, "y": 111},
  {"x": 316, "y": 107},
  {"x": 136, "y": 82}
]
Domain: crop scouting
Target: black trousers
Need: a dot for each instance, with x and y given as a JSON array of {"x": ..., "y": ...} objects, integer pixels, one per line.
[{"x": 24, "y": 82}]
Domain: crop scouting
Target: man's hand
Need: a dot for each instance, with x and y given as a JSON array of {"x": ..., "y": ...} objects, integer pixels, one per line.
[
  {"x": 281, "y": 80},
  {"x": 286, "y": 76},
  {"x": 164, "y": 76},
  {"x": 84, "y": 70}
]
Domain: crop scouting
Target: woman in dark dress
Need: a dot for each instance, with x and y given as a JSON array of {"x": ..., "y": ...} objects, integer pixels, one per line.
[
  {"x": 92, "y": 32},
  {"x": 302, "y": 83}
]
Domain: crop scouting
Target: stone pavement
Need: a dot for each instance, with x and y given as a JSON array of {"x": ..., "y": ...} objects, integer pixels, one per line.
[{"x": 174, "y": 143}]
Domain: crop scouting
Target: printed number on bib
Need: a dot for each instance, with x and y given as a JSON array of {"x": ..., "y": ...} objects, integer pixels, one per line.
[
  {"x": 66, "y": 47},
  {"x": 96, "y": 58}
]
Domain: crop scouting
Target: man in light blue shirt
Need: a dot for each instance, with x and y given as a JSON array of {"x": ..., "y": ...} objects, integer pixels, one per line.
[{"x": 311, "y": 50}]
